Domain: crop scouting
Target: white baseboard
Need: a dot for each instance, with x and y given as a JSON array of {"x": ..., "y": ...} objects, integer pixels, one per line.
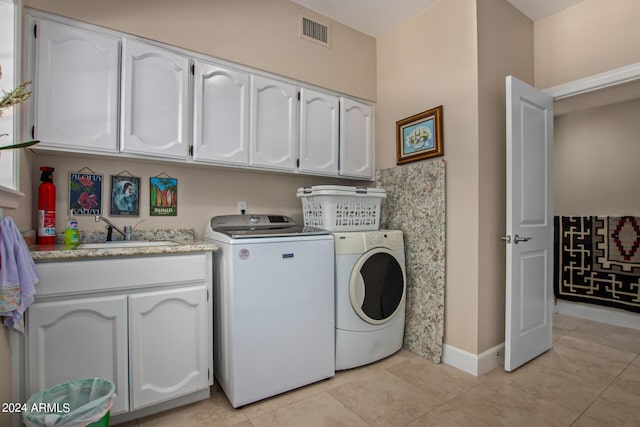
[
  {"x": 474, "y": 364},
  {"x": 611, "y": 316},
  {"x": 480, "y": 364}
]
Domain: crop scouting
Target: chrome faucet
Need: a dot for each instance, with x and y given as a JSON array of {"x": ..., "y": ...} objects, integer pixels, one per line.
[{"x": 111, "y": 226}]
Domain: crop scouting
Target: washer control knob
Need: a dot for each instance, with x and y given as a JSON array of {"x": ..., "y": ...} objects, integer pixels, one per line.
[{"x": 254, "y": 219}]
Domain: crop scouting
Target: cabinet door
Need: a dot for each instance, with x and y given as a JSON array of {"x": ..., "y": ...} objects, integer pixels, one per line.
[
  {"x": 356, "y": 139},
  {"x": 168, "y": 344},
  {"x": 274, "y": 124},
  {"x": 319, "y": 131},
  {"x": 155, "y": 106},
  {"x": 76, "y": 88},
  {"x": 69, "y": 340},
  {"x": 221, "y": 110}
]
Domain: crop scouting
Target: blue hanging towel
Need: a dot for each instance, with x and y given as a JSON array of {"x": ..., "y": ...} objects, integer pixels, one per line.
[{"x": 18, "y": 276}]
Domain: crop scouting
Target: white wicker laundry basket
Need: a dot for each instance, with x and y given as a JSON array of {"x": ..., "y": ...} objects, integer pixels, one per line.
[{"x": 341, "y": 208}]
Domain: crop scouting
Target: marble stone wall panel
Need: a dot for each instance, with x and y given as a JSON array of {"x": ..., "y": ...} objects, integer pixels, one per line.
[{"x": 415, "y": 204}]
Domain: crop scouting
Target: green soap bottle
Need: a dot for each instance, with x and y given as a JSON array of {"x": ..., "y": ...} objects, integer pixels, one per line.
[{"x": 71, "y": 235}]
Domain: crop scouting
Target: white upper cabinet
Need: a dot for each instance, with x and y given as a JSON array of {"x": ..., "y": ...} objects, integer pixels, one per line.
[
  {"x": 274, "y": 124},
  {"x": 221, "y": 115},
  {"x": 76, "y": 88},
  {"x": 356, "y": 139},
  {"x": 319, "y": 119},
  {"x": 155, "y": 111},
  {"x": 101, "y": 91}
]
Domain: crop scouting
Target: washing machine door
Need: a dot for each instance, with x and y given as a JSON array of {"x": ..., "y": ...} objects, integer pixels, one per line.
[{"x": 377, "y": 286}]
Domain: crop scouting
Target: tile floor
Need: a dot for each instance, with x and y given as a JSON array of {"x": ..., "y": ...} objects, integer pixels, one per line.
[{"x": 590, "y": 378}]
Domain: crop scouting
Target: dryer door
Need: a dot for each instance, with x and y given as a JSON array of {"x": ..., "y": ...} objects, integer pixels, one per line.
[{"x": 377, "y": 286}]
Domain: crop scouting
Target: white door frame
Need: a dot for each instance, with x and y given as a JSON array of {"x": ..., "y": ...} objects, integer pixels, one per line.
[{"x": 609, "y": 78}]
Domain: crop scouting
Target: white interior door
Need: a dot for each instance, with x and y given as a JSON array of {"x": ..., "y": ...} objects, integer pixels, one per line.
[{"x": 529, "y": 239}]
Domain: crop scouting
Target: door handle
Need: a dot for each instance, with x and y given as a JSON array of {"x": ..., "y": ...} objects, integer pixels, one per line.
[{"x": 516, "y": 239}]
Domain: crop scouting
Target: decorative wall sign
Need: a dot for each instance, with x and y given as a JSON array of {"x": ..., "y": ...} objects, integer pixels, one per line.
[
  {"x": 85, "y": 193},
  {"x": 420, "y": 136},
  {"x": 163, "y": 197},
  {"x": 125, "y": 198}
]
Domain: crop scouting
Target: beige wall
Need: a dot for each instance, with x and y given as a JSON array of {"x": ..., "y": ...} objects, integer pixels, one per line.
[
  {"x": 596, "y": 161},
  {"x": 466, "y": 74},
  {"x": 431, "y": 60},
  {"x": 590, "y": 37},
  {"x": 203, "y": 191},
  {"x": 499, "y": 56},
  {"x": 258, "y": 33}
]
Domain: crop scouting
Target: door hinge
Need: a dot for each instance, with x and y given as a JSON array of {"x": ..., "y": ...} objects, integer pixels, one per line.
[
  {"x": 298, "y": 95},
  {"x": 193, "y": 69},
  {"x": 298, "y": 163},
  {"x": 208, "y": 374},
  {"x": 207, "y": 294},
  {"x": 35, "y": 31},
  {"x": 33, "y": 132},
  {"x": 191, "y": 150}
]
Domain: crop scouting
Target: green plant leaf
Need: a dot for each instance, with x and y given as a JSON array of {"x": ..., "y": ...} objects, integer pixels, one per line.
[{"x": 19, "y": 145}]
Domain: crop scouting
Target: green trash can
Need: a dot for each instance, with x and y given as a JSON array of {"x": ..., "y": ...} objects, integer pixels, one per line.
[{"x": 77, "y": 403}]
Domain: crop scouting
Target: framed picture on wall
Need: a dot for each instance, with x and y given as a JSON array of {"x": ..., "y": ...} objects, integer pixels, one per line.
[
  {"x": 85, "y": 193},
  {"x": 163, "y": 197},
  {"x": 419, "y": 137},
  {"x": 124, "y": 195}
]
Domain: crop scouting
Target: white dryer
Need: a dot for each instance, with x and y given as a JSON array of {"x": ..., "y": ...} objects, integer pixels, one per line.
[{"x": 370, "y": 296}]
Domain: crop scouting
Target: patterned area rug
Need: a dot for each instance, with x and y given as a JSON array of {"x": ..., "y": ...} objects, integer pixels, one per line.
[{"x": 597, "y": 260}]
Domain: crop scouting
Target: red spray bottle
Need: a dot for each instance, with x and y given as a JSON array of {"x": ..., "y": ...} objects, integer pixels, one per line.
[{"x": 46, "y": 208}]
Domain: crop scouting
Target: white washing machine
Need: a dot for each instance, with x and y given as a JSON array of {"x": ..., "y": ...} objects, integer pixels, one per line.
[
  {"x": 371, "y": 290},
  {"x": 273, "y": 305}
]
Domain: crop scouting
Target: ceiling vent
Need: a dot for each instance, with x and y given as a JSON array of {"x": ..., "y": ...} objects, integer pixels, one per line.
[{"x": 315, "y": 31}]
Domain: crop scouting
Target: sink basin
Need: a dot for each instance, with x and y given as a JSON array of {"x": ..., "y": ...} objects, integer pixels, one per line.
[{"x": 126, "y": 244}]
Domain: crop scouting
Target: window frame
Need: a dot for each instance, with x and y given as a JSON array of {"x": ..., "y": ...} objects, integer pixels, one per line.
[{"x": 9, "y": 187}]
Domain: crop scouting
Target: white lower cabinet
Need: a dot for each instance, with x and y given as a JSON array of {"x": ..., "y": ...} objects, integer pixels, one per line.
[
  {"x": 168, "y": 344},
  {"x": 144, "y": 323},
  {"x": 79, "y": 338}
]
